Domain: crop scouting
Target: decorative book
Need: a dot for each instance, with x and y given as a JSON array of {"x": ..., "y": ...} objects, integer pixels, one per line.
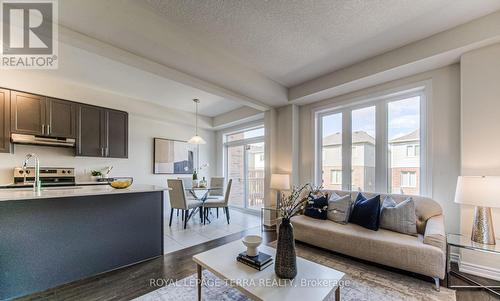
[
  {"x": 260, "y": 259},
  {"x": 259, "y": 262}
]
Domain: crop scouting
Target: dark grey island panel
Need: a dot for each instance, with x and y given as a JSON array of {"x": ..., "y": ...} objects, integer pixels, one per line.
[{"x": 47, "y": 242}]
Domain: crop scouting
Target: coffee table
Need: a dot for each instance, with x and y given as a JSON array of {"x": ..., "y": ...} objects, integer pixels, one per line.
[{"x": 313, "y": 281}]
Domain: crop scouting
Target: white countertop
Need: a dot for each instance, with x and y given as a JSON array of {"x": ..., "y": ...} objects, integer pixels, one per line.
[{"x": 13, "y": 194}]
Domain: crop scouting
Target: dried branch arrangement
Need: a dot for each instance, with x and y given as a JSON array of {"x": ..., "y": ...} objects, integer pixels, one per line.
[{"x": 300, "y": 196}]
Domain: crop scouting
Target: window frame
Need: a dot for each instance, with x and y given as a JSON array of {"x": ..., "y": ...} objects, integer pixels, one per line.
[
  {"x": 409, "y": 174},
  {"x": 332, "y": 177},
  {"x": 408, "y": 153},
  {"x": 380, "y": 100}
]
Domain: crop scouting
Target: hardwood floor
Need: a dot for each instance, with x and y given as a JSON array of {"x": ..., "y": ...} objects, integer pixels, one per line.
[
  {"x": 473, "y": 294},
  {"x": 134, "y": 281}
]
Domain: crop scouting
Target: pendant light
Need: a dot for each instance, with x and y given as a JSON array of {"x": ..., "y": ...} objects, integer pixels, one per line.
[{"x": 196, "y": 139}]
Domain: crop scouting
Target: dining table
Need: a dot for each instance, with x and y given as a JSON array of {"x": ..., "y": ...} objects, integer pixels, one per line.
[{"x": 204, "y": 192}]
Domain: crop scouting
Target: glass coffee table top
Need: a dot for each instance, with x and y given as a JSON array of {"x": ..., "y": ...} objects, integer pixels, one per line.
[{"x": 465, "y": 242}]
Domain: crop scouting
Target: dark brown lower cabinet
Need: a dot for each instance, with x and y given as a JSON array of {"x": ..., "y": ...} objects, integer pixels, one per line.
[
  {"x": 4, "y": 121},
  {"x": 102, "y": 132}
]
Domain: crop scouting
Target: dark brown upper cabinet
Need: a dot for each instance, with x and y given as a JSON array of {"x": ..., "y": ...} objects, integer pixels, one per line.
[
  {"x": 101, "y": 132},
  {"x": 4, "y": 121},
  {"x": 42, "y": 116},
  {"x": 61, "y": 118},
  {"x": 116, "y": 134},
  {"x": 90, "y": 140},
  {"x": 27, "y": 113}
]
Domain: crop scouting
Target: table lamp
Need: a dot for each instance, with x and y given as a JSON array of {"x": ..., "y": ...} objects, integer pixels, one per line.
[
  {"x": 482, "y": 192},
  {"x": 280, "y": 182}
]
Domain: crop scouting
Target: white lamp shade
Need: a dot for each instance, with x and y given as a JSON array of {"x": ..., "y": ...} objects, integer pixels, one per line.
[
  {"x": 197, "y": 140},
  {"x": 280, "y": 181},
  {"x": 478, "y": 191}
]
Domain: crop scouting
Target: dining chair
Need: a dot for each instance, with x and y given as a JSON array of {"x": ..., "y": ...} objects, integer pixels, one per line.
[
  {"x": 218, "y": 193},
  {"x": 188, "y": 183},
  {"x": 219, "y": 203},
  {"x": 178, "y": 200}
]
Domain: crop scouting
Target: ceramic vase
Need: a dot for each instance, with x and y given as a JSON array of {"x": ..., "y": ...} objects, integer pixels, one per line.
[{"x": 285, "y": 266}]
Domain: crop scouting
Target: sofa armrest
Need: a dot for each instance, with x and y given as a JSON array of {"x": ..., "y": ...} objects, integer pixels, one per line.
[{"x": 434, "y": 232}]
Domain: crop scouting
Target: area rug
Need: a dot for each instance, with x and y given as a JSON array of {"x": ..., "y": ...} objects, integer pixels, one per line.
[{"x": 363, "y": 282}]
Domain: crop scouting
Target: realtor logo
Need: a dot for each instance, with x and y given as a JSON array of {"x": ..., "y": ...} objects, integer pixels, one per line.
[{"x": 29, "y": 34}]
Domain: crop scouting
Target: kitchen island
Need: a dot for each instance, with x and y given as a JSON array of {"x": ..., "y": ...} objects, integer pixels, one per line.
[{"x": 64, "y": 234}]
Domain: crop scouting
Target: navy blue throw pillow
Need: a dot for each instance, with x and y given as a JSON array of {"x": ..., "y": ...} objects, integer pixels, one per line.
[
  {"x": 366, "y": 212},
  {"x": 317, "y": 207}
]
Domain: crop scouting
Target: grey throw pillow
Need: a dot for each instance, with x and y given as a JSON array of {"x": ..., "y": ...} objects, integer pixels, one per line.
[
  {"x": 399, "y": 217},
  {"x": 339, "y": 208}
]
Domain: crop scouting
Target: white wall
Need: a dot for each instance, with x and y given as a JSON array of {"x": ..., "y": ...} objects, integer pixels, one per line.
[
  {"x": 444, "y": 133},
  {"x": 480, "y": 72},
  {"x": 139, "y": 164},
  {"x": 146, "y": 121}
]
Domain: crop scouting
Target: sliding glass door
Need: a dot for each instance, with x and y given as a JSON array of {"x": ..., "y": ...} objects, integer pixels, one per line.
[
  {"x": 254, "y": 184},
  {"x": 236, "y": 171},
  {"x": 245, "y": 159}
]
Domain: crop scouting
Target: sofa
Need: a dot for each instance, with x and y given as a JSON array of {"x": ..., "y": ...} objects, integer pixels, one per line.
[{"x": 424, "y": 254}]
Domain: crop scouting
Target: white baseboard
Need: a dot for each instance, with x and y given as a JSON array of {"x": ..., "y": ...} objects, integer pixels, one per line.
[
  {"x": 479, "y": 270},
  {"x": 475, "y": 269},
  {"x": 455, "y": 257}
]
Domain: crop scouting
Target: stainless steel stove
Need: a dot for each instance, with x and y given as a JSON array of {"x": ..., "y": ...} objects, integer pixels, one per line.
[{"x": 49, "y": 176}]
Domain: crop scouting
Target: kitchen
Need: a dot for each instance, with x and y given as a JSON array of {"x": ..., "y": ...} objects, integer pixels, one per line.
[{"x": 48, "y": 233}]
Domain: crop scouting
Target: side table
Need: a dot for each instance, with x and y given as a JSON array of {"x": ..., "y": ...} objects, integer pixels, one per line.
[{"x": 463, "y": 242}]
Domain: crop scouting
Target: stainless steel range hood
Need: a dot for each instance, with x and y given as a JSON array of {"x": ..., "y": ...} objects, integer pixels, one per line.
[{"x": 37, "y": 140}]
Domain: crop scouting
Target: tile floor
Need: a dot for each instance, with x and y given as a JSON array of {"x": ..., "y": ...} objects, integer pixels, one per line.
[{"x": 177, "y": 238}]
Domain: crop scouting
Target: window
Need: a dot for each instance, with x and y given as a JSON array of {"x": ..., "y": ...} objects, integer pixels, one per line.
[
  {"x": 336, "y": 177},
  {"x": 412, "y": 151},
  {"x": 246, "y": 134},
  {"x": 408, "y": 179},
  {"x": 373, "y": 145},
  {"x": 363, "y": 149},
  {"x": 331, "y": 151},
  {"x": 404, "y": 139}
]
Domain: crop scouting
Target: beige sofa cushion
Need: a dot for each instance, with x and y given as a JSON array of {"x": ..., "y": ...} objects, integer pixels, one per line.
[
  {"x": 339, "y": 208},
  {"x": 398, "y": 217},
  {"x": 382, "y": 246}
]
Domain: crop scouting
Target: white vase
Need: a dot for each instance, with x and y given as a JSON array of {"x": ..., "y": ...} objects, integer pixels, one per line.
[{"x": 252, "y": 242}]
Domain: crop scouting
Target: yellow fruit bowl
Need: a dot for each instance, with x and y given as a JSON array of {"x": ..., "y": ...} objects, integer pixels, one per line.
[{"x": 121, "y": 183}]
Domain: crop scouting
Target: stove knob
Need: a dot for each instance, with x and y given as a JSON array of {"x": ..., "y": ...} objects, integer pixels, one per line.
[
  {"x": 21, "y": 172},
  {"x": 28, "y": 171},
  {"x": 69, "y": 171},
  {"x": 63, "y": 171}
]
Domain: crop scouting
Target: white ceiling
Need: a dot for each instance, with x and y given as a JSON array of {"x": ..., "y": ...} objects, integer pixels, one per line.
[
  {"x": 239, "y": 53},
  {"x": 295, "y": 41},
  {"x": 82, "y": 66},
  {"x": 91, "y": 70}
]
